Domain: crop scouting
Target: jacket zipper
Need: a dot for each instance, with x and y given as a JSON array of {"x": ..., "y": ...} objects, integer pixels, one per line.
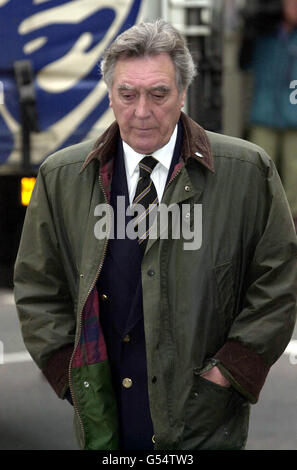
[
  {"x": 80, "y": 326},
  {"x": 176, "y": 174},
  {"x": 80, "y": 314}
]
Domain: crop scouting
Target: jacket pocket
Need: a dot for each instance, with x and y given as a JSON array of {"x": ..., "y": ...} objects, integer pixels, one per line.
[
  {"x": 206, "y": 411},
  {"x": 216, "y": 418}
]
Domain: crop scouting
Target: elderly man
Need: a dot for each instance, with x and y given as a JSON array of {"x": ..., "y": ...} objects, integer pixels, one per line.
[{"x": 157, "y": 344}]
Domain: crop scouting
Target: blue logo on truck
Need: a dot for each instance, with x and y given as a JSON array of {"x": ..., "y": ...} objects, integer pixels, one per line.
[{"x": 64, "y": 40}]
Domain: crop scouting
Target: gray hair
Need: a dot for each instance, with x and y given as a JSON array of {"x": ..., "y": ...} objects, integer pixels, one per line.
[{"x": 148, "y": 39}]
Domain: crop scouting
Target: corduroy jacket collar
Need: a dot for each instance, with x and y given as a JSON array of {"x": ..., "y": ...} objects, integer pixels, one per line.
[{"x": 195, "y": 144}]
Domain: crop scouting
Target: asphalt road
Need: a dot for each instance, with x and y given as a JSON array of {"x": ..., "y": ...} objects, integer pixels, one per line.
[{"x": 33, "y": 418}]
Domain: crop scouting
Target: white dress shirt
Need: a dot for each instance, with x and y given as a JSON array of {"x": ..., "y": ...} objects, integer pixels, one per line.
[{"x": 159, "y": 173}]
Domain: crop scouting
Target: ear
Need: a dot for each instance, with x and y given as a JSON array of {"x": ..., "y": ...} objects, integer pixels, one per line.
[
  {"x": 110, "y": 99},
  {"x": 183, "y": 97}
]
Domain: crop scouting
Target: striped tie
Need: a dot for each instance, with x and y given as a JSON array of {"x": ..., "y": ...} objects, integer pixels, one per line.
[{"x": 146, "y": 195}]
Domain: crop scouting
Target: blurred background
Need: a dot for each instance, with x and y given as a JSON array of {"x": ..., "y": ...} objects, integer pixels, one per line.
[{"x": 52, "y": 95}]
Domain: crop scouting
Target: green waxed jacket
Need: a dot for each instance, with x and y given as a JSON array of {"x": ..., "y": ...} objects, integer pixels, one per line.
[{"x": 231, "y": 302}]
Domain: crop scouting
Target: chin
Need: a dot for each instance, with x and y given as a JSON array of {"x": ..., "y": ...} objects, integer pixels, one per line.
[
  {"x": 147, "y": 147},
  {"x": 143, "y": 149}
]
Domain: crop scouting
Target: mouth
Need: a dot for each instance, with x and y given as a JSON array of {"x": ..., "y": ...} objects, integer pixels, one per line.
[{"x": 137, "y": 129}]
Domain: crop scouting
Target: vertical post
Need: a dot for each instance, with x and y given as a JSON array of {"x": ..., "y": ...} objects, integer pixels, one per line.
[
  {"x": 28, "y": 114},
  {"x": 26, "y": 141}
]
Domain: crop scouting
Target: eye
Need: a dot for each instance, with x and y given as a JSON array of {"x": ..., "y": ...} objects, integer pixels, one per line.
[
  {"x": 127, "y": 96},
  {"x": 158, "y": 96}
]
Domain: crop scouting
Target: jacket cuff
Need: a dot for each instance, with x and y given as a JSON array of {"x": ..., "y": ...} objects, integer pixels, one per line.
[
  {"x": 56, "y": 370},
  {"x": 244, "y": 368}
]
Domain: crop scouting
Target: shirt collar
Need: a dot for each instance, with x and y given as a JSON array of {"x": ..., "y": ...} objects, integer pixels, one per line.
[
  {"x": 163, "y": 155},
  {"x": 195, "y": 145}
]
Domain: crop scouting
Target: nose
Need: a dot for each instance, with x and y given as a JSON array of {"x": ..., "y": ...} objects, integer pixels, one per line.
[{"x": 142, "y": 109}]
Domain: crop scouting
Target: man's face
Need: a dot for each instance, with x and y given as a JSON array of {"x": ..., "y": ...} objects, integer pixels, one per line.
[{"x": 146, "y": 101}]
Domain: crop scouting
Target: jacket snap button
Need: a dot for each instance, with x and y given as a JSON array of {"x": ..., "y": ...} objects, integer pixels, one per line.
[
  {"x": 81, "y": 275},
  {"x": 127, "y": 383},
  {"x": 151, "y": 272},
  {"x": 86, "y": 384},
  {"x": 187, "y": 188},
  {"x": 196, "y": 371},
  {"x": 127, "y": 338},
  {"x": 104, "y": 297}
]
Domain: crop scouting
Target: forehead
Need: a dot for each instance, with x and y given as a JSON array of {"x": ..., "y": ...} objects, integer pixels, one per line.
[{"x": 145, "y": 71}]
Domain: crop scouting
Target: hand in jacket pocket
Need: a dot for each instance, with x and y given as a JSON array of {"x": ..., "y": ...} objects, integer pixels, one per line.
[{"x": 215, "y": 375}]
